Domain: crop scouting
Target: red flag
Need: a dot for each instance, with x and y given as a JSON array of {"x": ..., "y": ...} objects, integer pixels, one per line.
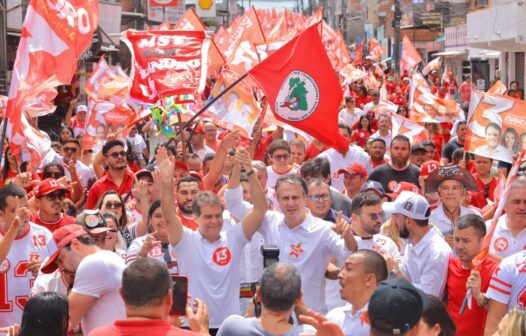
[
  {"x": 410, "y": 56},
  {"x": 375, "y": 49},
  {"x": 359, "y": 54},
  {"x": 167, "y": 63},
  {"x": 303, "y": 93},
  {"x": 247, "y": 29},
  {"x": 55, "y": 33},
  {"x": 107, "y": 84}
]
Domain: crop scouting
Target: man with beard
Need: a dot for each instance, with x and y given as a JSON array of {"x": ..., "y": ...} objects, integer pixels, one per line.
[
  {"x": 426, "y": 254},
  {"x": 50, "y": 195},
  {"x": 186, "y": 189},
  {"x": 118, "y": 177},
  {"x": 469, "y": 234},
  {"x": 377, "y": 151},
  {"x": 399, "y": 168}
]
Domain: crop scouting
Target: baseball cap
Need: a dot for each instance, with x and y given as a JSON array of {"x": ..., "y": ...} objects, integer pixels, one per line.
[
  {"x": 396, "y": 306},
  {"x": 373, "y": 185},
  {"x": 198, "y": 129},
  {"x": 82, "y": 108},
  {"x": 62, "y": 237},
  {"x": 417, "y": 147},
  {"x": 409, "y": 204},
  {"x": 94, "y": 223},
  {"x": 48, "y": 186},
  {"x": 181, "y": 165},
  {"x": 427, "y": 167},
  {"x": 143, "y": 173},
  {"x": 355, "y": 169},
  {"x": 404, "y": 186}
]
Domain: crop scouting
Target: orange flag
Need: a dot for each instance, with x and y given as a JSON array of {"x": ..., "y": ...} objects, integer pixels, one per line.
[
  {"x": 410, "y": 56},
  {"x": 247, "y": 29}
]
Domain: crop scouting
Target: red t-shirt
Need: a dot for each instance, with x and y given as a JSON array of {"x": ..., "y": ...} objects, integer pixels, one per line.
[
  {"x": 378, "y": 163},
  {"x": 361, "y": 101},
  {"x": 188, "y": 222},
  {"x": 472, "y": 322},
  {"x": 261, "y": 147},
  {"x": 311, "y": 151},
  {"x": 397, "y": 99},
  {"x": 451, "y": 85},
  {"x": 140, "y": 327},
  {"x": 51, "y": 226},
  {"x": 465, "y": 91},
  {"x": 477, "y": 197},
  {"x": 105, "y": 183},
  {"x": 360, "y": 136}
]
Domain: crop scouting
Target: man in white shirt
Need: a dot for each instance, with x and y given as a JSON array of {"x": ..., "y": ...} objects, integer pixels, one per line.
[
  {"x": 374, "y": 104},
  {"x": 197, "y": 141},
  {"x": 95, "y": 298},
  {"x": 506, "y": 290},
  {"x": 340, "y": 161},
  {"x": 426, "y": 255},
  {"x": 209, "y": 256},
  {"x": 138, "y": 145},
  {"x": 70, "y": 153},
  {"x": 303, "y": 240},
  {"x": 510, "y": 233},
  {"x": 279, "y": 152},
  {"x": 30, "y": 244},
  {"x": 350, "y": 114},
  {"x": 359, "y": 277},
  {"x": 384, "y": 131}
]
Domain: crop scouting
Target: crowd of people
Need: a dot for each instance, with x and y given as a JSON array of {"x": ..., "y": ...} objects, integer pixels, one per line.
[{"x": 384, "y": 238}]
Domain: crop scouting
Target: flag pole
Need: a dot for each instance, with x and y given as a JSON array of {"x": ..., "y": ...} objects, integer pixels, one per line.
[
  {"x": 2, "y": 138},
  {"x": 207, "y": 105}
]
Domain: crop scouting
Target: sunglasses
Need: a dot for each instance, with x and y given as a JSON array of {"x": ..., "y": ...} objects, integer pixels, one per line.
[
  {"x": 113, "y": 205},
  {"x": 117, "y": 154},
  {"x": 54, "y": 175},
  {"x": 69, "y": 149},
  {"x": 281, "y": 157},
  {"x": 56, "y": 196}
]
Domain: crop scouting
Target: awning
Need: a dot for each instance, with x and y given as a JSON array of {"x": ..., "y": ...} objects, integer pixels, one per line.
[{"x": 451, "y": 53}]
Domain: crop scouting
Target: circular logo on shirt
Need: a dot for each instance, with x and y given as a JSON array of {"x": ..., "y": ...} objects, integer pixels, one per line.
[
  {"x": 392, "y": 185},
  {"x": 298, "y": 97},
  {"x": 5, "y": 266},
  {"x": 501, "y": 244},
  {"x": 222, "y": 256}
]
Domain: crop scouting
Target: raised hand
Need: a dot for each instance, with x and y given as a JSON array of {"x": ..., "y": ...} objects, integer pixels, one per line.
[
  {"x": 148, "y": 245},
  {"x": 230, "y": 139},
  {"x": 198, "y": 320},
  {"x": 341, "y": 225},
  {"x": 140, "y": 189},
  {"x": 165, "y": 165},
  {"x": 243, "y": 157}
]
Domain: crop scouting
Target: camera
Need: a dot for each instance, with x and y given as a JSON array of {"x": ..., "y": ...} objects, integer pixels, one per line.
[{"x": 270, "y": 254}]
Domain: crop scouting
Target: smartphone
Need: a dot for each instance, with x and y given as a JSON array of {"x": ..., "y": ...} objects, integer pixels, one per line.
[{"x": 179, "y": 295}]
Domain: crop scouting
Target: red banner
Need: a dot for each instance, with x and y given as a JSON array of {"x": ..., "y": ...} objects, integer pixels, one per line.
[{"x": 167, "y": 63}]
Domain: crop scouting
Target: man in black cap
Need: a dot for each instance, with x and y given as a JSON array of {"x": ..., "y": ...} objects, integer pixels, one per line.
[
  {"x": 418, "y": 154},
  {"x": 395, "y": 308}
]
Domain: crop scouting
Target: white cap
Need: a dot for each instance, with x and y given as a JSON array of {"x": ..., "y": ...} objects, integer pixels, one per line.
[
  {"x": 82, "y": 108},
  {"x": 409, "y": 204}
]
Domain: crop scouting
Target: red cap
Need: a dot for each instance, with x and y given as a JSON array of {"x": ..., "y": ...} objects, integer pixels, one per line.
[
  {"x": 48, "y": 186},
  {"x": 62, "y": 237},
  {"x": 404, "y": 186},
  {"x": 199, "y": 129},
  {"x": 427, "y": 167},
  {"x": 355, "y": 168},
  {"x": 181, "y": 165}
]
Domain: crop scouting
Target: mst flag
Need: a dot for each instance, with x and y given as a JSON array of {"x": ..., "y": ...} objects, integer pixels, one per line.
[
  {"x": 167, "y": 62},
  {"x": 301, "y": 92}
]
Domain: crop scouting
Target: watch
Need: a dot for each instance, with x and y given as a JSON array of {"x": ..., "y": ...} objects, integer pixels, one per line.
[{"x": 394, "y": 273}]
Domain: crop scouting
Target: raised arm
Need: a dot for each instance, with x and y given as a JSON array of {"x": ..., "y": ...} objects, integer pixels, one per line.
[
  {"x": 219, "y": 161},
  {"x": 166, "y": 170},
  {"x": 253, "y": 219}
]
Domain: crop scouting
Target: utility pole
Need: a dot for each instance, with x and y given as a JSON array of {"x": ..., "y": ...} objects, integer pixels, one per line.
[
  {"x": 396, "y": 26},
  {"x": 3, "y": 47}
]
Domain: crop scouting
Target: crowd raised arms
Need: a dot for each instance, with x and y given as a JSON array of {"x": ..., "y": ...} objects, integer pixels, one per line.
[{"x": 284, "y": 208}]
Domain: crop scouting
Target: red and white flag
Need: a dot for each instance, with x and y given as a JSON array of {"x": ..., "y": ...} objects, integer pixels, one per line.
[
  {"x": 54, "y": 34},
  {"x": 410, "y": 56},
  {"x": 413, "y": 130},
  {"x": 433, "y": 65},
  {"x": 375, "y": 49},
  {"x": 498, "y": 88},
  {"x": 107, "y": 84},
  {"x": 428, "y": 108},
  {"x": 247, "y": 28},
  {"x": 303, "y": 93},
  {"x": 167, "y": 63}
]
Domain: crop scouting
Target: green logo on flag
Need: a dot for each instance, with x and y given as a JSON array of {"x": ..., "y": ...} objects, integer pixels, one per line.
[{"x": 298, "y": 97}]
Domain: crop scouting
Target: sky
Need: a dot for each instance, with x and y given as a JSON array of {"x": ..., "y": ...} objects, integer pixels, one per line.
[{"x": 269, "y": 4}]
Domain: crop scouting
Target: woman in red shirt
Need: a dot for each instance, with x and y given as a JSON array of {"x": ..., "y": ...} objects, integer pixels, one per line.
[
  {"x": 363, "y": 131},
  {"x": 362, "y": 98},
  {"x": 433, "y": 131}
]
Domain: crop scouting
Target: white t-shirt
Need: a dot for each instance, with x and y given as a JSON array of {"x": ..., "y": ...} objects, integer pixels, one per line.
[
  {"x": 213, "y": 270},
  {"x": 348, "y": 118},
  {"x": 425, "y": 264},
  {"x": 439, "y": 219},
  {"x": 508, "y": 283},
  {"x": 273, "y": 175},
  {"x": 138, "y": 145},
  {"x": 83, "y": 171},
  {"x": 15, "y": 279},
  {"x": 504, "y": 243},
  {"x": 351, "y": 325},
  {"x": 99, "y": 275},
  {"x": 156, "y": 252},
  {"x": 338, "y": 161},
  {"x": 308, "y": 246}
]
